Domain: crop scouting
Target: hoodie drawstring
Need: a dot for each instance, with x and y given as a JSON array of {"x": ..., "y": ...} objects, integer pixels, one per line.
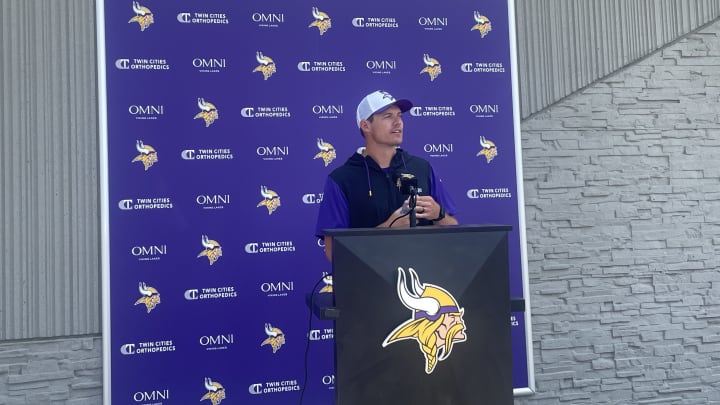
[
  {"x": 367, "y": 172},
  {"x": 403, "y": 160}
]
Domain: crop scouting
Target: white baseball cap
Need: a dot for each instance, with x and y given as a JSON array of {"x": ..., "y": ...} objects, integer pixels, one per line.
[{"x": 378, "y": 101}]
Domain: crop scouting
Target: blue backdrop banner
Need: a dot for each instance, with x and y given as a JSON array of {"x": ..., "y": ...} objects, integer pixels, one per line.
[{"x": 220, "y": 121}]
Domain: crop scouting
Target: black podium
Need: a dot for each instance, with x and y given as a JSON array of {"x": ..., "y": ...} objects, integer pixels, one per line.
[{"x": 403, "y": 296}]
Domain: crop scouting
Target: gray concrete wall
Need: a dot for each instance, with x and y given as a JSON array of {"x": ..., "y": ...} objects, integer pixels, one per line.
[
  {"x": 49, "y": 183},
  {"x": 622, "y": 191},
  {"x": 565, "y": 45}
]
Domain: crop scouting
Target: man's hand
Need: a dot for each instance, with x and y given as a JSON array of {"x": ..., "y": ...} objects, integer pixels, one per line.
[
  {"x": 427, "y": 208},
  {"x": 403, "y": 222}
]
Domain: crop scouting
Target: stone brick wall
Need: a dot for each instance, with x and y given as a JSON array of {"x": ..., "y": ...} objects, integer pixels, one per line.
[
  {"x": 64, "y": 371},
  {"x": 622, "y": 188}
]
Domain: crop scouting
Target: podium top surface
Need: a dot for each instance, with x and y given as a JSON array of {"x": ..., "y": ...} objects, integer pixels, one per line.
[{"x": 434, "y": 229}]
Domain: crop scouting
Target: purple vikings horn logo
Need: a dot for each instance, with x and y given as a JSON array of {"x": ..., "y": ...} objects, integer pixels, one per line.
[
  {"x": 271, "y": 200},
  {"x": 275, "y": 338},
  {"x": 328, "y": 288},
  {"x": 432, "y": 67},
  {"x": 322, "y": 21},
  {"x": 208, "y": 112},
  {"x": 143, "y": 16},
  {"x": 327, "y": 152},
  {"x": 436, "y": 323},
  {"x": 215, "y": 392},
  {"x": 266, "y": 65},
  {"x": 483, "y": 24},
  {"x": 489, "y": 150},
  {"x": 150, "y": 297},
  {"x": 212, "y": 250},
  {"x": 148, "y": 155}
]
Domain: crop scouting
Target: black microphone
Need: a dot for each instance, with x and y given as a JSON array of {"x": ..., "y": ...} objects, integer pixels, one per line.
[{"x": 407, "y": 183}]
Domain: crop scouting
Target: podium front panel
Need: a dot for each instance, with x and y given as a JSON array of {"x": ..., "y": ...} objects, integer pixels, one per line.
[{"x": 463, "y": 267}]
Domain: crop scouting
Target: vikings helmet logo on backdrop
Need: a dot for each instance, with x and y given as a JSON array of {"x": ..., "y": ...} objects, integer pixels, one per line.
[
  {"x": 489, "y": 150},
  {"x": 271, "y": 200},
  {"x": 327, "y": 152},
  {"x": 215, "y": 391},
  {"x": 275, "y": 338},
  {"x": 143, "y": 16},
  {"x": 266, "y": 65},
  {"x": 150, "y": 297},
  {"x": 436, "y": 321},
  {"x": 328, "y": 288},
  {"x": 483, "y": 25},
  {"x": 148, "y": 155},
  {"x": 212, "y": 249},
  {"x": 432, "y": 67},
  {"x": 322, "y": 21},
  {"x": 208, "y": 112}
]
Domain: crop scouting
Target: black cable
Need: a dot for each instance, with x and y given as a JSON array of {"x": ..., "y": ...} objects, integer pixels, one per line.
[
  {"x": 411, "y": 204},
  {"x": 307, "y": 345},
  {"x": 395, "y": 220}
]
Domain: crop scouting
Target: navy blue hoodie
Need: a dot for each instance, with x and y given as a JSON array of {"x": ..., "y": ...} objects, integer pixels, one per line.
[{"x": 373, "y": 193}]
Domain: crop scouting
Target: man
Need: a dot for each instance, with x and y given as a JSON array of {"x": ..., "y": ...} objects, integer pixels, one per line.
[{"x": 364, "y": 191}]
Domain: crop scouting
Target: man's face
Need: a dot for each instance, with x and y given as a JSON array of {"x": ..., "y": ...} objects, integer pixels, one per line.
[{"x": 386, "y": 127}]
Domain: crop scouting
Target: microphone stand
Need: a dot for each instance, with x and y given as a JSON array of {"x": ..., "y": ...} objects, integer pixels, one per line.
[
  {"x": 411, "y": 204},
  {"x": 407, "y": 183}
]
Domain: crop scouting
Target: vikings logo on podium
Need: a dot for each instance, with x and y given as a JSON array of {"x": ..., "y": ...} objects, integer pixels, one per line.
[
  {"x": 327, "y": 152},
  {"x": 322, "y": 21},
  {"x": 150, "y": 297},
  {"x": 271, "y": 199},
  {"x": 489, "y": 150},
  {"x": 436, "y": 322},
  {"x": 212, "y": 250},
  {"x": 148, "y": 156},
  {"x": 275, "y": 338},
  {"x": 215, "y": 391},
  {"x": 483, "y": 25},
  {"x": 143, "y": 16},
  {"x": 432, "y": 67},
  {"x": 266, "y": 65},
  {"x": 208, "y": 112}
]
